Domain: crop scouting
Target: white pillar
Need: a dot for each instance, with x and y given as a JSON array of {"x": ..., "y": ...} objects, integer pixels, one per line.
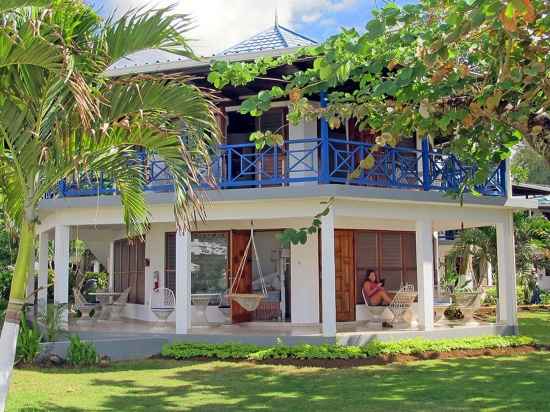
[
  {"x": 43, "y": 271},
  {"x": 304, "y": 288},
  {"x": 507, "y": 304},
  {"x": 328, "y": 274},
  {"x": 97, "y": 266},
  {"x": 112, "y": 266},
  {"x": 183, "y": 282},
  {"x": 61, "y": 260},
  {"x": 425, "y": 273}
]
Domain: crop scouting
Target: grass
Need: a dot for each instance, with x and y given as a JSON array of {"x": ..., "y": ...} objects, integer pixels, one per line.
[{"x": 503, "y": 383}]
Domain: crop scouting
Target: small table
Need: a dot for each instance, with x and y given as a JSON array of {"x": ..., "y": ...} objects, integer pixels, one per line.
[
  {"x": 105, "y": 310},
  {"x": 202, "y": 300}
]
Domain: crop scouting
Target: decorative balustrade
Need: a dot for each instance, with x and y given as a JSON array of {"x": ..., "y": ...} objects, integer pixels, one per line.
[{"x": 311, "y": 160}]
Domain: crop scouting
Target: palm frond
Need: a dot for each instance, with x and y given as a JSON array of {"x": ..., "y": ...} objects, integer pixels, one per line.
[
  {"x": 9, "y": 5},
  {"x": 25, "y": 48},
  {"x": 141, "y": 29}
]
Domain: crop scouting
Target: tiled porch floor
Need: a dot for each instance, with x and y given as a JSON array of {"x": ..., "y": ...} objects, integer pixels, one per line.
[{"x": 133, "y": 327}]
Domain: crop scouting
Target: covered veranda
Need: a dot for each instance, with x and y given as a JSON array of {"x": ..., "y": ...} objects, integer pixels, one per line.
[{"x": 314, "y": 286}]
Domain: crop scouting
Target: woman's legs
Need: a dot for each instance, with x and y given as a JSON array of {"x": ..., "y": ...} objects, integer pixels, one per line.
[{"x": 379, "y": 297}]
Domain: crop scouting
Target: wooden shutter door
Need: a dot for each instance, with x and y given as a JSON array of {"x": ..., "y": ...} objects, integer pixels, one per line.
[
  {"x": 239, "y": 240},
  {"x": 345, "y": 275},
  {"x": 409, "y": 259},
  {"x": 391, "y": 260}
]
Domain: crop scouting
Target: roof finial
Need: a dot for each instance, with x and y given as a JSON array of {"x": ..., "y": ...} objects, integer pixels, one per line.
[{"x": 276, "y": 17}]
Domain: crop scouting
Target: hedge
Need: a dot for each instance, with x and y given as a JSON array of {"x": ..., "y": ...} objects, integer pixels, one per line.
[{"x": 184, "y": 350}]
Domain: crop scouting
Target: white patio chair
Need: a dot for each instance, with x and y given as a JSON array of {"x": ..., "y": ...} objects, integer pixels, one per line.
[
  {"x": 82, "y": 305},
  {"x": 118, "y": 305},
  {"x": 401, "y": 303},
  {"x": 374, "y": 313},
  {"x": 163, "y": 303}
]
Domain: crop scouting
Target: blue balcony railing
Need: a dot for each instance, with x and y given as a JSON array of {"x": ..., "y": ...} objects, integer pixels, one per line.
[{"x": 312, "y": 160}]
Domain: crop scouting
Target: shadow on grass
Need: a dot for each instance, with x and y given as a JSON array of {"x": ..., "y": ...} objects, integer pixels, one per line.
[{"x": 512, "y": 383}]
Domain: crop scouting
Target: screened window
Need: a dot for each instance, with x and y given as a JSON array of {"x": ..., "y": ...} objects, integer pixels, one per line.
[{"x": 209, "y": 254}]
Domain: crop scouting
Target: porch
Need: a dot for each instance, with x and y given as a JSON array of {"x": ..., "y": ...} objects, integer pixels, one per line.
[
  {"x": 324, "y": 275},
  {"x": 133, "y": 339}
]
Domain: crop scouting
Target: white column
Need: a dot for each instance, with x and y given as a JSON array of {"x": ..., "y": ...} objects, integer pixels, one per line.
[
  {"x": 328, "y": 274},
  {"x": 97, "y": 266},
  {"x": 112, "y": 266},
  {"x": 183, "y": 282},
  {"x": 304, "y": 287},
  {"x": 43, "y": 271},
  {"x": 425, "y": 273},
  {"x": 507, "y": 304},
  {"x": 61, "y": 260}
]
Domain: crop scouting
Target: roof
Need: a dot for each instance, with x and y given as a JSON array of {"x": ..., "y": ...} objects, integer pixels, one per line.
[
  {"x": 530, "y": 189},
  {"x": 147, "y": 57},
  {"x": 276, "y": 37},
  {"x": 271, "y": 42}
]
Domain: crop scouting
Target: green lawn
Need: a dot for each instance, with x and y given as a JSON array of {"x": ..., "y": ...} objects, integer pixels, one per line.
[{"x": 504, "y": 383}]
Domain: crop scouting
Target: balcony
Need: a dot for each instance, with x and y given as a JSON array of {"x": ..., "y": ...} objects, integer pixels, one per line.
[{"x": 315, "y": 160}]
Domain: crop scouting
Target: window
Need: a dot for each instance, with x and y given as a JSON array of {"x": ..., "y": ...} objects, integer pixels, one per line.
[{"x": 209, "y": 254}]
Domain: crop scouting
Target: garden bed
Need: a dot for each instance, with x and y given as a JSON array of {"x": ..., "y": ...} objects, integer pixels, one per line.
[{"x": 336, "y": 356}]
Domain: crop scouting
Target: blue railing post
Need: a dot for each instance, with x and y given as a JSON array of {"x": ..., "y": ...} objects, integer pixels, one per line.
[
  {"x": 426, "y": 175},
  {"x": 61, "y": 188},
  {"x": 324, "y": 176}
]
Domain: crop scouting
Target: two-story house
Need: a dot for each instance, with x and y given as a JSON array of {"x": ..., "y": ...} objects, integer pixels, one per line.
[{"x": 386, "y": 220}]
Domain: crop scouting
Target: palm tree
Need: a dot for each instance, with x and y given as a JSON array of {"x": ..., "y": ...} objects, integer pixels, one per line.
[
  {"x": 479, "y": 245},
  {"x": 61, "y": 117}
]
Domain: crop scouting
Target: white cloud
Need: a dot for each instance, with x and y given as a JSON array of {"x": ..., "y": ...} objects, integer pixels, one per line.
[{"x": 222, "y": 23}]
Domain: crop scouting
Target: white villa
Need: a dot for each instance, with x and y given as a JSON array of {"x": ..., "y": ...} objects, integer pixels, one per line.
[{"x": 386, "y": 220}]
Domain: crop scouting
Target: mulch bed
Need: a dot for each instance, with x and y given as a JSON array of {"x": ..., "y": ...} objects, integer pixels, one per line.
[{"x": 382, "y": 360}]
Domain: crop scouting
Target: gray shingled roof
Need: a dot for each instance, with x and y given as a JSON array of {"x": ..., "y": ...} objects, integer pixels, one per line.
[
  {"x": 150, "y": 60},
  {"x": 145, "y": 58},
  {"x": 276, "y": 37}
]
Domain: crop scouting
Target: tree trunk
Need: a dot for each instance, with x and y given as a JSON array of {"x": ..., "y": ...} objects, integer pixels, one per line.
[{"x": 10, "y": 330}]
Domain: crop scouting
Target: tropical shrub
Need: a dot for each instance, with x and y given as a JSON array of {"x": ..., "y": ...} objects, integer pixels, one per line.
[
  {"x": 490, "y": 298},
  {"x": 81, "y": 353},
  {"x": 183, "y": 350},
  {"x": 52, "y": 320},
  {"x": 28, "y": 342}
]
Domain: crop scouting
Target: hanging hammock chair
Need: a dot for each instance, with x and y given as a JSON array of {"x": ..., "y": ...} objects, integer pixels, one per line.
[{"x": 248, "y": 301}]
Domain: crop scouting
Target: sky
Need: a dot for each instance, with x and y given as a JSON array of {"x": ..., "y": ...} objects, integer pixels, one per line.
[{"x": 223, "y": 23}]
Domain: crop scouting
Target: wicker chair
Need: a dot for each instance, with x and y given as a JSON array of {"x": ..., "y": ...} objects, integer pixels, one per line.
[
  {"x": 118, "y": 305},
  {"x": 163, "y": 303},
  {"x": 401, "y": 303},
  {"x": 468, "y": 303}
]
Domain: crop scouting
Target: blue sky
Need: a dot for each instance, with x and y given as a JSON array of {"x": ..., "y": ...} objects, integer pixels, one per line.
[{"x": 222, "y": 23}]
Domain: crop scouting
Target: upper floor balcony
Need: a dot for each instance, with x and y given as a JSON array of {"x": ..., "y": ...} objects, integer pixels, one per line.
[{"x": 323, "y": 160}]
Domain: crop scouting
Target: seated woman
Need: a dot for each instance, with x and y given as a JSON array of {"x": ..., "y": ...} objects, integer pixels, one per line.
[{"x": 374, "y": 291}]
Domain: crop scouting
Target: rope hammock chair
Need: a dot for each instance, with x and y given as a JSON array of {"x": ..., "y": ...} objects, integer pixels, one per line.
[{"x": 248, "y": 301}]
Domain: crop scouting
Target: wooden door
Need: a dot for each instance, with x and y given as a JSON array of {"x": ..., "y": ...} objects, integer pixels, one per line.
[
  {"x": 239, "y": 240},
  {"x": 345, "y": 275}
]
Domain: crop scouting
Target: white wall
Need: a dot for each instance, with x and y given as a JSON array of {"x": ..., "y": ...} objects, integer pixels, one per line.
[
  {"x": 304, "y": 283},
  {"x": 304, "y": 130}
]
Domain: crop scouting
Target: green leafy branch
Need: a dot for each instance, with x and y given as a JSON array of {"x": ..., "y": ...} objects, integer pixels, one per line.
[{"x": 292, "y": 236}]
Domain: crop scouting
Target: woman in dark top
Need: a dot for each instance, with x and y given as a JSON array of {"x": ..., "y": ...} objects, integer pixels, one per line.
[{"x": 374, "y": 291}]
